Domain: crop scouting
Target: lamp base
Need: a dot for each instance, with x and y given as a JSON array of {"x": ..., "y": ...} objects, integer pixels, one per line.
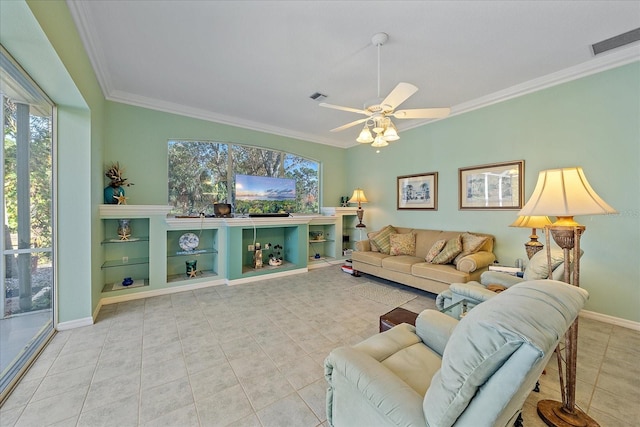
[
  {"x": 553, "y": 414},
  {"x": 360, "y": 214},
  {"x": 532, "y": 248}
]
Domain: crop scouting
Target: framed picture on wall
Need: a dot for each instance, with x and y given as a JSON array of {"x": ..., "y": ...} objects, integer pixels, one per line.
[
  {"x": 494, "y": 186},
  {"x": 418, "y": 191}
]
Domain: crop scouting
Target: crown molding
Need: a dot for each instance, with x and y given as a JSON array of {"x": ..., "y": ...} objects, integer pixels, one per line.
[
  {"x": 593, "y": 66},
  {"x": 83, "y": 21},
  {"x": 198, "y": 113}
]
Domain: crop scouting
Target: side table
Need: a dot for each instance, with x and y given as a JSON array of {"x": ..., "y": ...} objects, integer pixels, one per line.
[{"x": 395, "y": 317}]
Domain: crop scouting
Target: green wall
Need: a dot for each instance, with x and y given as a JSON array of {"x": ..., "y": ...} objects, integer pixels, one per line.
[
  {"x": 591, "y": 122},
  {"x": 42, "y": 37},
  {"x": 137, "y": 138}
]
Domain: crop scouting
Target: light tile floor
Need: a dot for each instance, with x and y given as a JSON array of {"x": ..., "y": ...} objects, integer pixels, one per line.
[{"x": 252, "y": 355}]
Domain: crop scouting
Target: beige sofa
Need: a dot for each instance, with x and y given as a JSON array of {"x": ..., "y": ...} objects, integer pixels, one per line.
[{"x": 412, "y": 269}]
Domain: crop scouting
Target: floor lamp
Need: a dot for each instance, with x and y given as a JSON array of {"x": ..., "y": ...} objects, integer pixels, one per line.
[
  {"x": 359, "y": 198},
  {"x": 564, "y": 193}
]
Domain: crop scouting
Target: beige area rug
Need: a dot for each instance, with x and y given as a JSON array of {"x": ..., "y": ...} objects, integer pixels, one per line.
[{"x": 383, "y": 295}]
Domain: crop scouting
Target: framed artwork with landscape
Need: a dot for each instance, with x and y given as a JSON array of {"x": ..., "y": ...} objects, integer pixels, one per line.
[
  {"x": 494, "y": 186},
  {"x": 418, "y": 191}
]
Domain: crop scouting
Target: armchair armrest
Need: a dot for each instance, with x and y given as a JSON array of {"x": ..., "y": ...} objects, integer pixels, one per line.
[
  {"x": 472, "y": 262},
  {"x": 498, "y": 278},
  {"x": 434, "y": 329},
  {"x": 473, "y": 292},
  {"x": 363, "y": 245},
  {"x": 384, "y": 392}
]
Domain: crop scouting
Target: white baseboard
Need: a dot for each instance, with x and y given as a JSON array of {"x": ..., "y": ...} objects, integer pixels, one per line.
[
  {"x": 269, "y": 276},
  {"x": 605, "y": 318},
  {"x": 158, "y": 292},
  {"x": 72, "y": 324}
]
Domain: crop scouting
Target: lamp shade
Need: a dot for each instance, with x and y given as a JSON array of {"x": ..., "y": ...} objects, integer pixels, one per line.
[
  {"x": 358, "y": 196},
  {"x": 531, "y": 222},
  {"x": 564, "y": 193},
  {"x": 365, "y": 136}
]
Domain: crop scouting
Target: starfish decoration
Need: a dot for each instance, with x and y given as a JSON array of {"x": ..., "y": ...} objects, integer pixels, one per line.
[
  {"x": 125, "y": 236},
  {"x": 193, "y": 273},
  {"x": 122, "y": 200}
]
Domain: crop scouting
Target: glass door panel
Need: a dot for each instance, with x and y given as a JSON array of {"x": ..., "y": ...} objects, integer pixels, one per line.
[{"x": 27, "y": 285}]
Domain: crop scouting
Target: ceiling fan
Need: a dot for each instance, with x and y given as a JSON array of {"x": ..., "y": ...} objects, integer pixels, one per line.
[{"x": 379, "y": 112}]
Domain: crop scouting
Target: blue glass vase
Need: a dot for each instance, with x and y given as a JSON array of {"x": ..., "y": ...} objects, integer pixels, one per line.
[{"x": 110, "y": 194}]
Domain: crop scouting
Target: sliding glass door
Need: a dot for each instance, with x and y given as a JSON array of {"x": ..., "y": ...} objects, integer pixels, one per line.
[{"x": 26, "y": 163}]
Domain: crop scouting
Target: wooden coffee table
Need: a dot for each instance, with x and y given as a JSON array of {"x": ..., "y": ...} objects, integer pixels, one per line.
[{"x": 395, "y": 317}]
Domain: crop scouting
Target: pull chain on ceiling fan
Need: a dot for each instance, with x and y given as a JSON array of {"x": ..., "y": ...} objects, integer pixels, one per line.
[{"x": 380, "y": 112}]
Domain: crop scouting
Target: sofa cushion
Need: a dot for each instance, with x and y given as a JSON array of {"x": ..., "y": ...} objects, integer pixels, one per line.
[
  {"x": 400, "y": 263},
  {"x": 381, "y": 239},
  {"x": 439, "y": 272},
  {"x": 451, "y": 249},
  {"x": 371, "y": 258},
  {"x": 471, "y": 244},
  {"x": 435, "y": 250},
  {"x": 415, "y": 365},
  {"x": 402, "y": 244}
]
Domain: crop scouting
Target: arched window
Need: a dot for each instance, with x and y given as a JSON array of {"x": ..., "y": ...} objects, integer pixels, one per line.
[{"x": 251, "y": 179}]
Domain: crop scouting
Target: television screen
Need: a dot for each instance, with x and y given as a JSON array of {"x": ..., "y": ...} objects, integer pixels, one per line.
[{"x": 264, "y": 188}]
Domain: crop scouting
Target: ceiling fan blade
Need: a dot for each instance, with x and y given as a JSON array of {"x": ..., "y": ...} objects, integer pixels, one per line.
[
  {"x": 399, "y": 94},
  {"x": 422, "y": 113},
  {"x": 338, "y": 107},
  {"x": 348, "y": 125}
]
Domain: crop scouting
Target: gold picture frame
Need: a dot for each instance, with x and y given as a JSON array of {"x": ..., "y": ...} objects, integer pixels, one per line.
[
  {"x": 419, "y": 191},
  {"x": 492, "y": 186}
]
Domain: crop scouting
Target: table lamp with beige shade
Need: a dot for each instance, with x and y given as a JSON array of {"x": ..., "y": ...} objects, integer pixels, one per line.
[
  {"x": 565, "y": 193},
  {"x": 359, "y": 198},
  {"x": 533, "y": 222}
]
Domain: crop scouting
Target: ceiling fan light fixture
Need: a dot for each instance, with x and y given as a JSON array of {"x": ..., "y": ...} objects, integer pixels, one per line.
[
  {"x": 379, "y": 141},
  {"x": 380, "y": 111},
  {"x": 378, "y": 126},
  {"x": 365, "y": 136},
  {"x": 391, "y": 133}
]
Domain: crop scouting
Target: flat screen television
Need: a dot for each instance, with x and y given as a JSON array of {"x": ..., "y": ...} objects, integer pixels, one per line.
[{"x": 264, "y": 194}]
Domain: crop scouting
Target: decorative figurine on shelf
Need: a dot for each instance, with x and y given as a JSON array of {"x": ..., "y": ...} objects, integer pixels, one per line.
[
  {"x": 124, "y": 229},
  {"x": 257, "y": 256},
  {"x": 191, "y": 268},
  {"x": 275, "y": 257},
  {"x": 344, "y": 202},
  {"x": 114, "y": 193},
  {"x": 128, "y": 281}
]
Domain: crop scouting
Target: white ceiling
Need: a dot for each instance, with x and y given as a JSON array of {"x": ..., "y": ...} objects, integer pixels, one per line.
[{"x": 254, "y": 64}]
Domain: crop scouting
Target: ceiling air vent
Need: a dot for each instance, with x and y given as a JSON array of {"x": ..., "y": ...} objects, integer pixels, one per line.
[
  {"x": 616, "y": 41},
  {"x": 317, "y": 96}
]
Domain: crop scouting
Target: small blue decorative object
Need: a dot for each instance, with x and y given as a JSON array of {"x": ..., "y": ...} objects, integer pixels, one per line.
[
  {"x": 191, "y": 268},
  {"x": 127, "y": 281},
  {"x": 111, "y": 195}
]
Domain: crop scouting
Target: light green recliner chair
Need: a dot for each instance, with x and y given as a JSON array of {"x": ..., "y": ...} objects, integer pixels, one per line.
[
  {"x": 474, "y": 372},
  {"x": 475, "y": 293}
]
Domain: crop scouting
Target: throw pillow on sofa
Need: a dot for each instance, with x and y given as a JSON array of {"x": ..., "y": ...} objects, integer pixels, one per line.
[
  {"x": 451, "y": 249},
  {"x": 435, "y": 250},
  {"x": 402, "y": 244},
  {"x": 381, "y": 240},
  {"x": 470, "y": 245},
  {"x": 370, "y": 236}
]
